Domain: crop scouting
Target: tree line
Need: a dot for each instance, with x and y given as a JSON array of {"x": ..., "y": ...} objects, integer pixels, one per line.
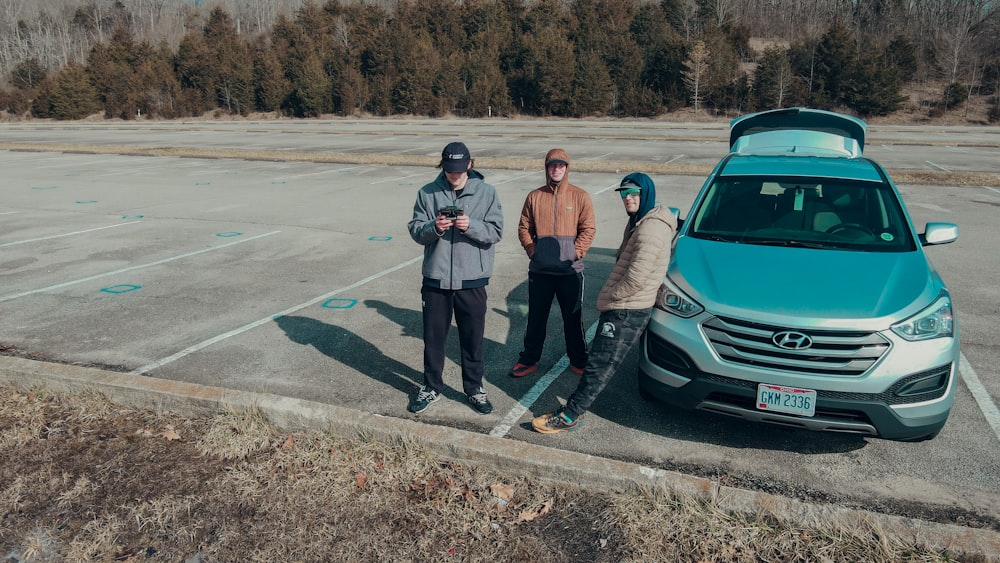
[{"x": 480, "y": 58}]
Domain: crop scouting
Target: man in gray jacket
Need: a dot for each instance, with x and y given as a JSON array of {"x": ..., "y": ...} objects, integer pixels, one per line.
[
  {"x": 625, "y": 301},
  {"x": 458, "y": 220}
]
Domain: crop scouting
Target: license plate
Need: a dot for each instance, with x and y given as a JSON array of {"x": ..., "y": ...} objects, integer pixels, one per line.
[{"x": 790, "y": 400}]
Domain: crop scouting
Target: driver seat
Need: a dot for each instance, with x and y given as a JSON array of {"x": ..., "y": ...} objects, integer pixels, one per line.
[{"x": 840, "y": 205}]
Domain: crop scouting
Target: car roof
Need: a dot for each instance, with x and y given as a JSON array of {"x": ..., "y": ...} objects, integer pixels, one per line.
[
  {"x": 775, "y": 166},
  {"x": 800, "y": 130}
]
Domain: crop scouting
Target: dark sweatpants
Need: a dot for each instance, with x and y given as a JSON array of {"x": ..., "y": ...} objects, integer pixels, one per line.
[
  {"x": 568, "y": 291},
  {"x": 617, "y": 331},
  {"x": 468, "y": 307}
]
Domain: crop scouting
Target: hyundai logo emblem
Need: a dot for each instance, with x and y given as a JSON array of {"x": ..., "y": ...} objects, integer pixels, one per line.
[{"x": 791, "y": 340}]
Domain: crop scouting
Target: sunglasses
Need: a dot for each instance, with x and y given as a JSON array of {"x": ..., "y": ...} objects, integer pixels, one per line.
[{"x": 634, "y": 192}]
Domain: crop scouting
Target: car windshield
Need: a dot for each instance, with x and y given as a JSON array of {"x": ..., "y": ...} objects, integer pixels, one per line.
[{"x": 810, "y": 212}]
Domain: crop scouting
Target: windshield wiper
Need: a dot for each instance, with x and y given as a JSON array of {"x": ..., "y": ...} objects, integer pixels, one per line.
[{"x": 791, "y": 243}]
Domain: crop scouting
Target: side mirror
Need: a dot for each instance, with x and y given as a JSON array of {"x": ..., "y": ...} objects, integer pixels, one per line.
[
  {"x": 677, "y": 215},
  {"x": 939, "y": 233}
]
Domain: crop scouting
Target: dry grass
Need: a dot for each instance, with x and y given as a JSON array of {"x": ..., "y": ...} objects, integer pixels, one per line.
[
  {"x": 928, "y": 177},
  {"x": 83, "y": 479}
]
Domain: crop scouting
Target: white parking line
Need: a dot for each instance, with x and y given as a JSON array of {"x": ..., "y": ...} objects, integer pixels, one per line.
[
  {"x": 206, "y": 343},
  {"x": 979, "y": 393},
  {"x": 938, "y": 166},
  {"x": 399, "y": 178},
  {"x": 514, "y": 178},
  {"x": 529, "y": 398},
  {"x": 678, "y": 157},
  {"x": 987, "y": 187},
  {"x": 131, "y": 268},
  {"x": 9, "y": 212},
  {"x": 331, "y": 171},
  {"x": 66, "y": 234}
]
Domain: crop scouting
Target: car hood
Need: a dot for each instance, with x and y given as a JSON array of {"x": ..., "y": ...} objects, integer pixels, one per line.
[{"x": 802, "y": 286}]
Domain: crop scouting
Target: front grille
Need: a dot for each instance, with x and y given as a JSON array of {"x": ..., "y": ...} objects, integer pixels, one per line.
[{"x": 832, "y": 352}]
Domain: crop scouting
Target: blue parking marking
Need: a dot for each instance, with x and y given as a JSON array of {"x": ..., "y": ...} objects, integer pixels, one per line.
[
  {"x": 121, "y": 288},
  {"x": 338, "y": 303},
  {"x": 380, "y": 238},
  {"x": 86, "y": 201},
  {"x": 132, "y": 216},
  {"x": 227, "y": 235}
]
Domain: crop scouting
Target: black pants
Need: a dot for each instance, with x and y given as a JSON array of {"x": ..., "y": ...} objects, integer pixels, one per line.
[
  {"x": 468, "y": 307},
  {"x": 568, "y": 291}
]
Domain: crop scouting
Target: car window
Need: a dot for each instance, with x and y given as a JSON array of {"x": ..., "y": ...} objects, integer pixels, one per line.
[{"x": 832, "y": 213}]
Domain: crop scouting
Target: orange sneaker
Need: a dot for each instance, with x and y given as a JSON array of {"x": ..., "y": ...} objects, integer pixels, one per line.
[{"x": 521, "y": 370}]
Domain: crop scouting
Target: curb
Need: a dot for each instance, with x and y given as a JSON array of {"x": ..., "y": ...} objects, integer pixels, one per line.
[{"x": 505, "y": 454}]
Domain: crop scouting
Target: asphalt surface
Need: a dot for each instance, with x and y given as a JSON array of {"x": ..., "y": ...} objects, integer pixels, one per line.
[{"x": 296, "y": 282}]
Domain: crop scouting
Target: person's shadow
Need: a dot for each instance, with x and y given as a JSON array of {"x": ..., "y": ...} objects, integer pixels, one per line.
[{"x": 352, "y": 350}]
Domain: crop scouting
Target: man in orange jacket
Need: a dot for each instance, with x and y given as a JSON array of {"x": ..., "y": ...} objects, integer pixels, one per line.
[{"x": 556, "y": 229}]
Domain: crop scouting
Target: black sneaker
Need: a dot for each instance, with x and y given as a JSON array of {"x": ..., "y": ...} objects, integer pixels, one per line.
[
  {"x": 554, "y": 422},
  {"x": 481, "y": 403},
  {"x": 424, "y": 399}
]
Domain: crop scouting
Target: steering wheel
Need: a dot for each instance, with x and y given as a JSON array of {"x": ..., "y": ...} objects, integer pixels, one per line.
[{"x": 850, "y": 227}]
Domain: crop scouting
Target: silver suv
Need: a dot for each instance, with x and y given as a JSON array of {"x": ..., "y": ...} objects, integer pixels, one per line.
[{"x": 799, "y": 293}]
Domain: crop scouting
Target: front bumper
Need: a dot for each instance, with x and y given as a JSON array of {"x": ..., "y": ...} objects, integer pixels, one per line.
[{"x": 671, "y": 375}]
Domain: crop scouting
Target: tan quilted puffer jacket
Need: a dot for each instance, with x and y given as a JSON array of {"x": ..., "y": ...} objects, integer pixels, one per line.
[{"x": 642, "y": 263}]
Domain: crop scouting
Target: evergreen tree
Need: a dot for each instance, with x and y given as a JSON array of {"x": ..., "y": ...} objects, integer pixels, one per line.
[
  {"x": 663, "y": 58},
  {"x": 230, "y": 63},
  {"x": 113, "y": 69},
  {"x": 592, "y": 92},
  {"x": 725, "y": 86},
  {"x": 196, "y": 72},
  {"x": 72, "y": 95},
  {"x": 419, "y": 65},
  {"x": 902, "y": 55},
  {"x": 774, "y": 85},
  {"x": 835, "y": 54},
  {"x": 489, "y": 34},
  {"x": 311, "y": 92},
  {"x": 873, "y": 87},
  {"x": 271, "y": 88}
]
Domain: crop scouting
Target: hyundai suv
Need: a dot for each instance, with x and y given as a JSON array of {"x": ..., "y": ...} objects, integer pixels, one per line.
[{"x": 799, "y": 293}]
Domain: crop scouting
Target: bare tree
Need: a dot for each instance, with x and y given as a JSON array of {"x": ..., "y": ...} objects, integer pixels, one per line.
[{"x": 697, "y": 66}]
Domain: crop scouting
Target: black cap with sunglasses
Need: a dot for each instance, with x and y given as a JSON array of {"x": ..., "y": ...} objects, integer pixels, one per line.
[{"x": 629, "y": 188}]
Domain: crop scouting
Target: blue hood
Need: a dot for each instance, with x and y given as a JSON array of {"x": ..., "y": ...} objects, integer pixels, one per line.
[{"x": 782, "y": 285}]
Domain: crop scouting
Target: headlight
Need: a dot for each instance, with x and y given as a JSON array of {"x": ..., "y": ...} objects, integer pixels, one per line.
[
  {"x": 673, "y": 301},
  {"x": 935, "y": 321}
]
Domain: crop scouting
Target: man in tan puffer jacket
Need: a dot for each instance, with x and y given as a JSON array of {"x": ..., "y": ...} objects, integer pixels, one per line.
[{"x": 625, "y": 301}]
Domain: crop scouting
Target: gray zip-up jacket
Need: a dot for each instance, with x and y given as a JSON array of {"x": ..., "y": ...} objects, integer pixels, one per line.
[{"x": 454, "y": 260}]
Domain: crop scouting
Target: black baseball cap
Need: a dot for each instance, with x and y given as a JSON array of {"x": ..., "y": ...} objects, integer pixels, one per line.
[
  {"x": 455, "y": 157},
  {"x": 628, "y": 184}
]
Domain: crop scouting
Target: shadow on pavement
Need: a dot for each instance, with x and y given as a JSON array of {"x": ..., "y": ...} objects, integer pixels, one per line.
[{"x": 351, "y": 350}]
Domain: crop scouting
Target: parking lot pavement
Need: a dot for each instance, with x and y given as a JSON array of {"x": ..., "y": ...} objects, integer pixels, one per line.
[{"x": 299, "y": 280}]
